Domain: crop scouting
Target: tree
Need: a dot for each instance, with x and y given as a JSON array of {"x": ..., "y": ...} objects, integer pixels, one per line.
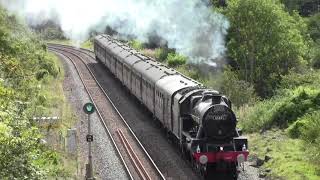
[
  {"x": 314, "y": 27},
  {"x": 265, "y": 41},
  {"x": 305, "y": 7}
]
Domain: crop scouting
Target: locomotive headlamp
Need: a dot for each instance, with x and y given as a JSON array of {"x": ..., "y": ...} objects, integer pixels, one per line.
[{"x": 203, "y": 159}]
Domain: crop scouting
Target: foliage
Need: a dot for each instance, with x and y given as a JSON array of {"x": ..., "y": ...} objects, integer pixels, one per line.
[
  {"x": 316, "y": 58},
  {"x": 238, "y": 91},
  {"x": 305, "y": 7},
  {"x": 226, "y": 82},
  {"x": 292, "y": 5},
  {"x": 308, "y": 129},
  {"x": 289, "y": 158},
  {"x": 306, "y": 78},
  {"x": 135, "y": 44},
  {"x": 190, "y": 71},
  {"x": 52, "y": 33},
  {"x": 48, "y": 30},
  {"x": 265, "y": 41},
  {"x": 24, "y": 67},
  {"x": 175, "y": 59},
  {"x": 161, "y": 54},
  {"x": 314, "y": 27},
  {"x": 88, "y": 44},
  {"x": 282, "y": 110}
]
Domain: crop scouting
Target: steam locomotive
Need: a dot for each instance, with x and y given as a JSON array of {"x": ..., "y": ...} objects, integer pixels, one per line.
[{"x": 199, "y": 120}]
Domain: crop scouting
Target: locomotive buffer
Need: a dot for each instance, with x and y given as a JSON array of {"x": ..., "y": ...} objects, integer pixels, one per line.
[{"x": 89, "y": 108}]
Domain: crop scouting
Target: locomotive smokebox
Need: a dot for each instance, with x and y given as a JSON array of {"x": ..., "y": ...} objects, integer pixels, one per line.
[{"x": 214, "y": 116}]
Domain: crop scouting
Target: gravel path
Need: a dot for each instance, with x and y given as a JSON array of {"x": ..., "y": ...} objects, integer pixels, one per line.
[{"x": 107, "y": 165}]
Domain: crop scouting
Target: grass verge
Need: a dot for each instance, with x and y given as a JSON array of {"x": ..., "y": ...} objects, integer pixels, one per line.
[
  {"x": 289, "y": 159},
  {"x": 57, "y": 105}
]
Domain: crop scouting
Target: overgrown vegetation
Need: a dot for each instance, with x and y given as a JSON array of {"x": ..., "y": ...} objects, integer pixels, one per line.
[
  {"x": 25, "y": 67},
  {"x": 174, "y": 59},
  {"x": 296, "y": 110},
  {"x": 265, "y": 41},
  {"x": 136, "y": 44},
  {"x": 286, "y": 158}
]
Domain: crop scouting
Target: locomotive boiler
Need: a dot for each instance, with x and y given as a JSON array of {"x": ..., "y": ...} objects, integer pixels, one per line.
[{"x": 199, "y": 120}]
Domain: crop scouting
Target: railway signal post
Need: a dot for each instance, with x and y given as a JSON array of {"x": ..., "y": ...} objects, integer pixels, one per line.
[{"x": 89, "y": 108}]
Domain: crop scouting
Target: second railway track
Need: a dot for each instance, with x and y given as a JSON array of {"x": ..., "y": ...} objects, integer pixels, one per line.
[{"x": 135, "y": 158}]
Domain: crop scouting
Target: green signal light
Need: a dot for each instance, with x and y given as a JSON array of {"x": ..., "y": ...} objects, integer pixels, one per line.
[{"x": 88, "y": 108}]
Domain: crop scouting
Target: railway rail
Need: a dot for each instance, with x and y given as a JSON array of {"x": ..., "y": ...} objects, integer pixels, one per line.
[{"x": 135, "y": 158}]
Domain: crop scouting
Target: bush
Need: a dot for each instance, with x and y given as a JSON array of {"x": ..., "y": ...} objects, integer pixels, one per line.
[
  {"x": 240, "y": 92},
  {"x": 176, "y": 59},
  {"x": 190, "y": 71},
  {"x": 314, "y": 26},
  {"x": 135, "y": 44},
  {"x": 41, "y": 74},
  {"x": 295, "y": 130},
  {"x": 293, "y": 80},
  {"x": 316, "y": 59},
  {"x": 282, "y": 110},
  {"x": 309, "y": 131},
  {"x": 52, "y": 34},
  {"x": 48, "y": 64},
  {"x": 161, "y": 54}
]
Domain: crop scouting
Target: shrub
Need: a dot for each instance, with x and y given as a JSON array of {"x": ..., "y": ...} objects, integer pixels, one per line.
[
  {"x": 295, "y": 130},
  {"x": 135, "y": 44},
  {"x": 189, "y": 71},
  {"x": 316, "y": 59},
  {"x": 240, "y": 92},
  {"x": 48, "y": 64},
  {"x": 282, "y": 110},
  {"x": 293, "y": 80},
  {"x": 303, "y": 100},
  {"x": 41, "y": 74},
  {"x": 161, "y": 54},
  {"x": 310, "y": 133},
  {"x": 176, "y": 59}
]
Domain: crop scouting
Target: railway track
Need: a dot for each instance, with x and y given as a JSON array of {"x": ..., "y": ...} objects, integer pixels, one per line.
[{"x": 135, "y": 158}]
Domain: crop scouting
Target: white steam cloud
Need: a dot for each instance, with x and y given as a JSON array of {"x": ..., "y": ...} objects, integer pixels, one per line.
[{"x": 189, "y": 26}]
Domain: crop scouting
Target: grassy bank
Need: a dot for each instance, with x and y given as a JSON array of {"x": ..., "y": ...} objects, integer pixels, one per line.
[
  {"x": 57, "y": 105},
  {"x": 286, "y": 158},
  {"x": 287, "y": 127}
]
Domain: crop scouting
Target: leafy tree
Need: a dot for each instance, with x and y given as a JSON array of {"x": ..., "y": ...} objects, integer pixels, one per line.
[
  {"x": 305, "y": 7},
  {"x": 230, "y": 85},
  {"x": 265, "y": 41},
  {"x": 314, "y": 27}
]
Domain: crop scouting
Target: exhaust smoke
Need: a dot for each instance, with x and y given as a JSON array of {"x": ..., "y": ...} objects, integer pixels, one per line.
[{"x": 189, "y": 26}]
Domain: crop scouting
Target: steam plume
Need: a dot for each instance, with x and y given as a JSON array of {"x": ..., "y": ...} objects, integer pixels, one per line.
[{"x": 189, "y": 26}]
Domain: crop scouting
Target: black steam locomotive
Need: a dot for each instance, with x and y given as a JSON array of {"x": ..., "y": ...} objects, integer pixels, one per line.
[{"x": 200, "y": 120}]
